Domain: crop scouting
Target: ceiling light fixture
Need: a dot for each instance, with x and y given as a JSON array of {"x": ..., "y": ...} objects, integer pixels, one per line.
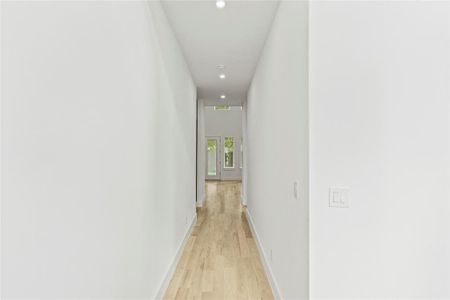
[
  {"x": 220, "y": 4},
  {"x": 222, "y": 76},
  {"x": 222, "y": 96}
]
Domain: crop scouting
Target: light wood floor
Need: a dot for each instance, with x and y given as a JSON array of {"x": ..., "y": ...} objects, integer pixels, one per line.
[{"x": 220, "y": 260}]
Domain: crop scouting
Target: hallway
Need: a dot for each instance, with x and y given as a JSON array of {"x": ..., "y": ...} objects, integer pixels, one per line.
[
  {"x": 221, "y": 260},
  {"x": 225, "y": 150}
]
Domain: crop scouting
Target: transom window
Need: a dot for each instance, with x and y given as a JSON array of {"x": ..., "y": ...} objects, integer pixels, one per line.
[{"x": 222, "y": 107}]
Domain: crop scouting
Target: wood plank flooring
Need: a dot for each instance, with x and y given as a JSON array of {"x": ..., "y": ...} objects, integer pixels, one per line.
[{"x": 221, "y": 259}]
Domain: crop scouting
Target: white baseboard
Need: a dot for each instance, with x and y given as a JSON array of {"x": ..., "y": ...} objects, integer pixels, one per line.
[
  {"x": 173, "y": 266},
  {"x": 200, "y": 203},
  {"x": 265, "y": 261},
  {"x": 243, "y": 201}
]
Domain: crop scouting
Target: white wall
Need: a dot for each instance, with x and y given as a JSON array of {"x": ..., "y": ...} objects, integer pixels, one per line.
[
  {"x": 201, "y": 153},
  {"x": 223, "y": 124},
  {"x": 277, "y": 124},
  {"x": 90, "y": 208},
  {"x": 379, "y": 102},
  {"x": 244, "y": 155}
]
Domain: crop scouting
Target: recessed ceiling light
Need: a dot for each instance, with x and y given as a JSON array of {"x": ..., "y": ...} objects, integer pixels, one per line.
[
  {"x": 220, "y": 3},
  {"x": 222, "y": 76},
  {"x": 222, "y": 96}
]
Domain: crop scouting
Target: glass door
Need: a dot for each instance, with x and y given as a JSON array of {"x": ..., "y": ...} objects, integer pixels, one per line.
[{"x": 213, "y": 158}]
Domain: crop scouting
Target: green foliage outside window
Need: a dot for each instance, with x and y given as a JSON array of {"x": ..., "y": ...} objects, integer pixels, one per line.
[
  {"x": 212, "y": 145},
  {"x": 221, "y": 107},
  {"x": 228, "y": 150}
]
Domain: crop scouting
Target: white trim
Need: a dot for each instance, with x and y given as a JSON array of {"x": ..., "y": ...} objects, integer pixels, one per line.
[
  {"x": 173, "y": 266},
  {"x": 265, "y": 261}
]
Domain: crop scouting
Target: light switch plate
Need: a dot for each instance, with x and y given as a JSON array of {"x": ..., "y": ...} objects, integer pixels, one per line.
[
  {"x": 296, "y": 189},
  {"x": 338, "y": 197}
]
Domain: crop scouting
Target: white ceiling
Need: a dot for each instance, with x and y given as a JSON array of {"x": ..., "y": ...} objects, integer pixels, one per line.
[{"x": 233, "y": 36}]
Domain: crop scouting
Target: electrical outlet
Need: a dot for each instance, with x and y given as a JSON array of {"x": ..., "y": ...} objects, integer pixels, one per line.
[
  {"x": 185, "y": 221},
  {"x": 271, "y": 257},
  {"x": 338, "y": 197}
]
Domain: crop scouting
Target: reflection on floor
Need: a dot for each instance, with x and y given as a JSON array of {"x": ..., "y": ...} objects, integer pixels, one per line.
[{"x": 220, "y": 260}]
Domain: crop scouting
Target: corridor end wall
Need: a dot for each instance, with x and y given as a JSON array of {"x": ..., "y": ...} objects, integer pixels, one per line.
[{"x": 226, "y": 123}]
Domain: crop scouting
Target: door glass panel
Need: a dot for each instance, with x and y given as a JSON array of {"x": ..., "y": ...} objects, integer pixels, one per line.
[
  {"x": 212, "y": 157},
  {"x": 228, "y": 151}
]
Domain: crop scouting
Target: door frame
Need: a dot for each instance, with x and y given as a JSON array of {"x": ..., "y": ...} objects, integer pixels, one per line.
[{"x": 218, "y": 158}]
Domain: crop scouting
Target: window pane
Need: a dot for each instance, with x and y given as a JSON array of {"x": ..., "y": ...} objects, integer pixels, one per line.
[
  {"x": 228, "y": 151},
  {"x": 212, "y": 157}
]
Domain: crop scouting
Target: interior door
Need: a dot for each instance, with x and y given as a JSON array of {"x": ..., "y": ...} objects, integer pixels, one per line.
[{"x": 213, "y": 161}]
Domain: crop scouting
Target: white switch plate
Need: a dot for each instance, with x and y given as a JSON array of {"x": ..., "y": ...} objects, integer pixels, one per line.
[
  {"x": 338, "y": 197},
  {"x": 296, "y": 189}
]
